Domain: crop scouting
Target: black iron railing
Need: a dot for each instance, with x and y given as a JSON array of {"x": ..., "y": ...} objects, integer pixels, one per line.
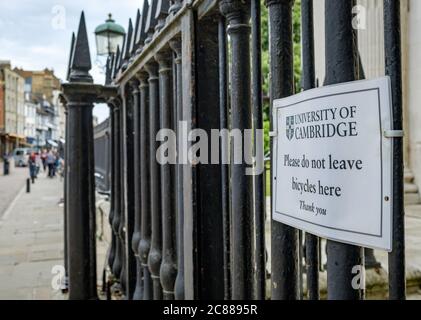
[{"x": 196, "y": 230}]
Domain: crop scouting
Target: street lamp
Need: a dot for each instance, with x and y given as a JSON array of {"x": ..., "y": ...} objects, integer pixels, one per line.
[{"x": 109, "y": 36}]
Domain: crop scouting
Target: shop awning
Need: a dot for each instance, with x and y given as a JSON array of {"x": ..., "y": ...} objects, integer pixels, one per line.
[{"x": 52, "y": 143}]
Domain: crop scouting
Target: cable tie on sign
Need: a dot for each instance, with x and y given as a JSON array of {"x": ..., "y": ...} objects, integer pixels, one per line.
[
  {"x": 273, "y": 134},
  {"x": 394, "y": 134}
]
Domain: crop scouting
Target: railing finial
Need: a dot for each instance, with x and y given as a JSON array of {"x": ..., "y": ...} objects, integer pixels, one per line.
[
  {"x": 161, "y": 13},
  {"x": 133, "y": 45},
  {"x": 125, "y": 53},
  {"x": 72, "y": 48},
  {"x": 116, "y": 62},
  {"x": 141, "y": 33},
  {"x": 81, "y": 60},
  {"x": 151, "y": 21}
]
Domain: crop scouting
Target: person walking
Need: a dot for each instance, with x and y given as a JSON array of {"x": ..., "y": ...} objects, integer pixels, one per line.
[
  {"x": 38, "y": 162},
  {"x": 6, "y": 164},
  {"x": 50, "y": 160},
  {"x": 32, "y": 166},
  {"x": 44, "y": 159}
]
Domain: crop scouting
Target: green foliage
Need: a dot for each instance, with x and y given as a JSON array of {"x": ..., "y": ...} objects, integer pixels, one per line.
[
  {"x": 296, "y": 25},
  {"x": 296, "y": 20}
]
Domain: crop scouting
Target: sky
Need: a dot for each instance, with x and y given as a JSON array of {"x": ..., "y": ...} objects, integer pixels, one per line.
[{"x": 35, "y": 34}]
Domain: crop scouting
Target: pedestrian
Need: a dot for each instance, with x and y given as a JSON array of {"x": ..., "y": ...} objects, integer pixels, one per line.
[
  {"x": 38, "y": 162},
  {"x": 32, "y": 166},
  {"x": 44, "y": 159},
  {"x": 50, "y": 160},
  {"x": 56, "y": 163},
  {"x": 6, "y": 164}
]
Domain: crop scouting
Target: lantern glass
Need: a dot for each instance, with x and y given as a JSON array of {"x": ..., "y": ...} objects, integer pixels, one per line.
[{"x": 107, "y": 43}]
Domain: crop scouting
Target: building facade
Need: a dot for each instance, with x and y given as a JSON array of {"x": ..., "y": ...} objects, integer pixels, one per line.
[
  {"x": 60, "y": 115},
  {"x": 30, "y": 119},
  {"x": 42, "y": 91},
  {"x": 43, "y": 83},
  {"x": 13, "y": 131}
]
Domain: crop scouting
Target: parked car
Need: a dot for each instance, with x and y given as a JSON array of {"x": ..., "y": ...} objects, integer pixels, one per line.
[{"x": 21, "y": 156}]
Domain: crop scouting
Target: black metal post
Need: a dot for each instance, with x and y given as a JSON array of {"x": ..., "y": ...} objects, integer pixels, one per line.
[
  {"x": 155, "y": 253},
  {"x": 284, "y": 245},
  {"x": 259, "y": 198},
  {"x": 392, "y": 24},
  {"x": 223, "y": 123},
  {"x": 138, "y": 292},
  {"x": 209, "y": 223},
  {"x": 168, "y": 270},
  {"x": 340, "y": 67},
  {"x": 178, "y": 80},
  {"x": 65, "y": 287},
  {"x": 81, "y": 276},
  {"x": 309, "y": 82},
  {"x": 66, "y": 200},
  {"x": 238, "y": 17}
]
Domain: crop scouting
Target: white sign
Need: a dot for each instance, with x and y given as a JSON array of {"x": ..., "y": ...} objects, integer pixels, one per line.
[{"x": 332, "y": 162}]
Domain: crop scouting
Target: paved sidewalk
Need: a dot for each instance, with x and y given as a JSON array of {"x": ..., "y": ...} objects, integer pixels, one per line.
[
  {"x": 31, "y": 239},
  {"x": 11, "y": 185}
]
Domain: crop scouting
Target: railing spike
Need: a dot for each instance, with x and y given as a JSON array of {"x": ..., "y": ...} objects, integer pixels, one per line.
[
  {"x": 116, "y": 62},
  {"x": 151, "y": 21},
  {"x": 161, "y": 13},
  {"x": 120, "y": 58},
  {"x": 133, "y": 43},
  {"x": 175, "y": 6},
  {"x": 81, "y": 60},
  {"x": 141, "y": 34},
  {"x": 72, "y": 48},
  {"x": 125, "y": 54}
]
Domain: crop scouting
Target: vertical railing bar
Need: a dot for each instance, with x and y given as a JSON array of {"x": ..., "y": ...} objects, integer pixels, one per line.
[
  {"x": 168, "y": 271},
  {"x": 138, "y": 292},
  {"x": 392, "y": 18},
  {"x": 123, "y": 207},
  {"x": 309, "y": 79},
  {"x": 145, "y": 232},
  {"x": 340, "y": 67},
  {"x": 259, "y": 201},
  {"x": 129, "y": 182},
  {"x": 111, "y": 250},
  {"x": 155, "y": 253},
  {"x": 223, "y": 118},
  {"x": 284, "y": 243},
  {"x": 238, "y": 18},
  {"x": 178, "y": 93},
  {"x": 117, "y": 264}
]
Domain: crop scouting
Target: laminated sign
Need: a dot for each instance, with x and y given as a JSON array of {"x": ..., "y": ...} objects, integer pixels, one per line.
[{"x": 332, "y": 162}]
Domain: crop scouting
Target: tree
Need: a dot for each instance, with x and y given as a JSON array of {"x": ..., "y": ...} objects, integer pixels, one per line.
[{"x": 296, "y": 20}]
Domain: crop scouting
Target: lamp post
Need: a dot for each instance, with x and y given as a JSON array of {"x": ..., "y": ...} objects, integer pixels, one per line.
[{"x": 109, "y": 36}]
